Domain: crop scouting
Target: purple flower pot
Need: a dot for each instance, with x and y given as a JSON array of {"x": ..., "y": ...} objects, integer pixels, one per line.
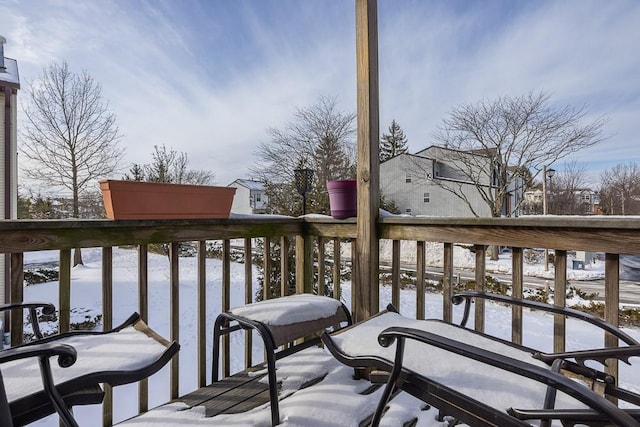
[{"x": 343, "y": 198}]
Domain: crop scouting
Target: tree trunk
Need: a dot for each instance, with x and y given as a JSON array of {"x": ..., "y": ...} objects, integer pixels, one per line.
[
  {"x": 495, "y": 251},
  {"x": 77, "y": 257}
]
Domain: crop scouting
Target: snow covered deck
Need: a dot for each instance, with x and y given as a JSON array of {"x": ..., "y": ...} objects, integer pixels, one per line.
[{"x": 315, "y": 390}]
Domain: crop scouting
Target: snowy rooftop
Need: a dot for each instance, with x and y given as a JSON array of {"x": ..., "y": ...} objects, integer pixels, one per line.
[{"x": 11, "y": 74}]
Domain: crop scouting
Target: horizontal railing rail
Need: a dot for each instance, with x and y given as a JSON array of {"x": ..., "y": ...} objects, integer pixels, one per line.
[{"x": 317, "y": 242}]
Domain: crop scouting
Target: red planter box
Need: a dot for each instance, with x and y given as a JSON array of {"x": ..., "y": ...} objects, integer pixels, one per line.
[{"x": 152, "y": 200}]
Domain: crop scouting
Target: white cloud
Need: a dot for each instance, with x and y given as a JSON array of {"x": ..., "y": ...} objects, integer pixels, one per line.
[{"x": 208, "y": 78}]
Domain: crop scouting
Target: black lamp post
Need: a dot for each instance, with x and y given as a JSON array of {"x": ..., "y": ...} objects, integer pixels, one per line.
[
  {"x": 303, "y": 178},
  {"x": 550, "y": 174},
  {"x": 546, "y": 174}
]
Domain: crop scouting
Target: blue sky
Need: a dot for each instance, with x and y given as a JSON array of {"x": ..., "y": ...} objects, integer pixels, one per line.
[{"x": 209, "y": 77}]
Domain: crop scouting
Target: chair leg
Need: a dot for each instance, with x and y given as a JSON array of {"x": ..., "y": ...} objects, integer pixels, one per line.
[
  {"x": 217, "y": 332},
  {"x": 550, "y": 396},
  {"x": 273, "y": 384},
  {"x": 391, "y": 384},
  {"x": 66, "y": 417}
]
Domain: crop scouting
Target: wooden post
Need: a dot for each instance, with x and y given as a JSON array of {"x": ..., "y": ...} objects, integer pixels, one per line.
[
  {"x": 447, "y": 282},
  {"x": 16, "y": 294},
  {"x": 304, "y": 267},
  {"x": 226, "y": 302},
  {"x": 560, "y": 300},
  {"x": 336, "y": 269},
  {"x": 481, "y": 258},
  {"x": 368, "y": 175},
  {"x": 107, "y": 314},
  {"x": 284, "y": 266},
  {"x": 612, "y": 306},
  {"x": 248, "y": 299},
  {"x": 143, "y": 309},
  {"x": 517, "y": 279},
  {"x": 174, "y": 310},
  {"x": 266, "y": 265},
  {"x": 201, "y": 262},
  {"x": 395, "y": 274},
  {"x": 421, "y": 251},
  {"x": 64, "y": 294}
]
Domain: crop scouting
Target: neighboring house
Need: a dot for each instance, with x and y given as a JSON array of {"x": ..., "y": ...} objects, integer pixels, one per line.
[
  {"x": 250, "y": 197},
  {"x": 587, "y": 202},
  {"x": 590, "y": 201},
  {"x": 9, "y": 85},
  {"x": 533, "y": 204},
  {"x": 411, "y": 181}
]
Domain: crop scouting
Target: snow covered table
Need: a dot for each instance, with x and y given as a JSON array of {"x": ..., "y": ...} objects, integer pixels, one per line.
[{"x": 280, "y": 321}]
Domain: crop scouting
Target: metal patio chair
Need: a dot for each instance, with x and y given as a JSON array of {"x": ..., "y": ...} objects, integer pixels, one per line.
[
  {"x": 31, "y": 387},
  {"x": 482, "y": 380}
]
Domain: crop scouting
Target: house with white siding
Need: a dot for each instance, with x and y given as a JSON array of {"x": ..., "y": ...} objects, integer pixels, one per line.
[
  {"x": 9, "y": 85},
  {"x": 413, "y": 181},
  {"x": 250, "y": 197}
]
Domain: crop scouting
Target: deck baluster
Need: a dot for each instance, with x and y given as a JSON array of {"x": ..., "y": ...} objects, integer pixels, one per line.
[
  {"x": 143, "y": 309},
  {"x": 481, "y": 254},
  {"x": 107, "y": 314},
  {"x": 517, "y": 280},
  {"x": 560, "y": 300}
]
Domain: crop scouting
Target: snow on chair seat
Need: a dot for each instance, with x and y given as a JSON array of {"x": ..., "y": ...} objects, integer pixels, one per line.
[
  {"x": 452, "y": 367},
  {"x": 125, "y": 354},
  {"x": 280, "y": 321}
]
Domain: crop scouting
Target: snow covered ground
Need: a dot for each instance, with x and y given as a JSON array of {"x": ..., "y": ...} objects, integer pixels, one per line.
[{"x": 86, "y": 297}]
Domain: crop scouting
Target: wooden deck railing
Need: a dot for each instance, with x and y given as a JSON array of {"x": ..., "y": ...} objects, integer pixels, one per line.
[{"x": 611, "y": 236}]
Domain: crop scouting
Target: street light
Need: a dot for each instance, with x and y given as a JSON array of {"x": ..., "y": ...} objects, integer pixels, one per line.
[
  {"x": 546, "y": 174},
  {"x": 303, "y": 178}
]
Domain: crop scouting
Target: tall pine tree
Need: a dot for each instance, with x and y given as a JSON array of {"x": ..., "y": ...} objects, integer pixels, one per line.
[{"x": 392, "y": 143}]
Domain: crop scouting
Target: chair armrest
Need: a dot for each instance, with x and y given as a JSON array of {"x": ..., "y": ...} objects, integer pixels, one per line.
[
  {"x": 47, "y": 309},
  {"x": 598, "y": 355},
  {"x": 67, "y": 356},
  {"x": 467, "y": 297},
  {"x": 536, "y": 373}
]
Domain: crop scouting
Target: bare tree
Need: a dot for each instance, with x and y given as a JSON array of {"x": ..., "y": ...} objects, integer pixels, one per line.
[
  {"x": 488, "y": 143},
  {"x": 69, "y": 133},
  {"x": 319, "y": 137},
  {"x": 620, "y": 190},
  {"x": 565, "y": 188}
]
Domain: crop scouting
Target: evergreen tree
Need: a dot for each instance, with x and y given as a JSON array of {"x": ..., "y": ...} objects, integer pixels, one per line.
[
  {"x": 137, "y": 173},
  {"x": 170, "y": 166},
  {"x": 393, "y": 143}
]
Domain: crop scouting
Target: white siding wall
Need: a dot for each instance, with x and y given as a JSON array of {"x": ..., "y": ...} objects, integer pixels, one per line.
[
  {"x": 241, "y": 200},
  {"x": 393, "y": 174}
]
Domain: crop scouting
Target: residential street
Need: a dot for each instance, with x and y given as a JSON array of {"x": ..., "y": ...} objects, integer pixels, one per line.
[{"x": 629, "y": 291}]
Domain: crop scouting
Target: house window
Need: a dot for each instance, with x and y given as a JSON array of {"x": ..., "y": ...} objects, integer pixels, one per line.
[
  {"x": 258, "y": 199},
  {"x": 586, "y": 197},
  {"x": 408, "y": 211},
  {"x": 426, "y": 198},
  {"x": 408, "y": 178}
]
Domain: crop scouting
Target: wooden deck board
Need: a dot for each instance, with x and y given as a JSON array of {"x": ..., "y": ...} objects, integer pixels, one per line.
[
  {"x": 246, "y": 395},
  {"x": 213, "y": 390},
  {"x": 235, "y": 394}
]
